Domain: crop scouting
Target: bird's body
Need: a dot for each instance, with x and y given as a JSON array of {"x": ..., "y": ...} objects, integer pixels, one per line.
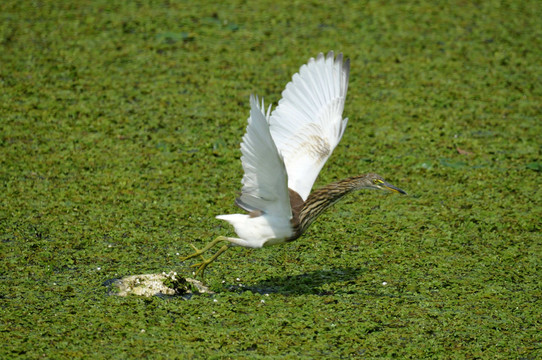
[
  {"x": 258, "y": 231},
  {"x": 282, "y": 155}
]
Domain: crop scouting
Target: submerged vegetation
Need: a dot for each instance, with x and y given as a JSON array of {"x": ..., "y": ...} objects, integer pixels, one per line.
[{"x": 119, "y": 143}]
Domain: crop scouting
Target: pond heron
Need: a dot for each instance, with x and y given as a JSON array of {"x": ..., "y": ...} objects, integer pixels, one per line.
[{"x": 282, "y": 153}]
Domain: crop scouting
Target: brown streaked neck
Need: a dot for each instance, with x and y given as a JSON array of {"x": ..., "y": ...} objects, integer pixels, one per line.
[{"x": 304, "y": 213}]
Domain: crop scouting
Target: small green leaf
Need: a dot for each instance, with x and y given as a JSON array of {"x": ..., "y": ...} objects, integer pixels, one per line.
[{"x": 536, "y": 166}]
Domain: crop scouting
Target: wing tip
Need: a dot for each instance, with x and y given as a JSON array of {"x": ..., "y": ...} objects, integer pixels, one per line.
[
  {"x": 254, "y": 100},
  {"x": 340, "y": 61}
]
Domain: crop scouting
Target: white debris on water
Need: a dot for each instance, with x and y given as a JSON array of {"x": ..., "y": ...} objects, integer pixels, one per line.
[{"x": 158, "y": 285}]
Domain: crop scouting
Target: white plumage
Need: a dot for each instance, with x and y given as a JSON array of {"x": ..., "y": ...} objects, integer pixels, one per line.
[{"x": 287, "y": 149}]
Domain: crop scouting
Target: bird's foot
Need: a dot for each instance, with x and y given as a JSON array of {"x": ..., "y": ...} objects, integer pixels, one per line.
[
  {"x": 202, "y": 265},
  {"x": 196, "y": 253}
]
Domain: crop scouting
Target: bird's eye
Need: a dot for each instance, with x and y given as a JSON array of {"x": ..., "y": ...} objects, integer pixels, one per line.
[{"x": 377, "y": 181}]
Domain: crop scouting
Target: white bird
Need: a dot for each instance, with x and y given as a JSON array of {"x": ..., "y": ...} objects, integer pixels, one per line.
[{"x": 282, "y": 153}]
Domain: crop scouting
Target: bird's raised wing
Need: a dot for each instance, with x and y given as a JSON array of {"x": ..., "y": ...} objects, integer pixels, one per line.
[
  {"x": 265, "y": 183},
  {"x": 307, "y": 124}
]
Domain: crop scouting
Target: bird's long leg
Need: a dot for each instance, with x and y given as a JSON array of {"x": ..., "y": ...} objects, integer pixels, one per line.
[
  {"x": 207, "y": 247},
  {"x": 202, "y": 265}
]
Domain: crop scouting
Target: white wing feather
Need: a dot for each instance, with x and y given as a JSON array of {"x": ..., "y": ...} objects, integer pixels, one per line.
[
  {"x": 307, "y": 124},
  {"x": 265, "y": 183}
]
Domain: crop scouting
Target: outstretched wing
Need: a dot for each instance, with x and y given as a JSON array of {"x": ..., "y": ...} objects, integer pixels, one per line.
[
  {"x": 265, "y": 183},
  {"x": 307, "y": 124}
]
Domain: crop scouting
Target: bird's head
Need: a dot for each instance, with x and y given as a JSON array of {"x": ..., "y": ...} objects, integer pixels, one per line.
[{"x": 375, "y": 181}]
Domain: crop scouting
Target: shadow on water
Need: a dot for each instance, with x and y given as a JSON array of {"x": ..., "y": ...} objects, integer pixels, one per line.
[{"x": 307, "y": 283}]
